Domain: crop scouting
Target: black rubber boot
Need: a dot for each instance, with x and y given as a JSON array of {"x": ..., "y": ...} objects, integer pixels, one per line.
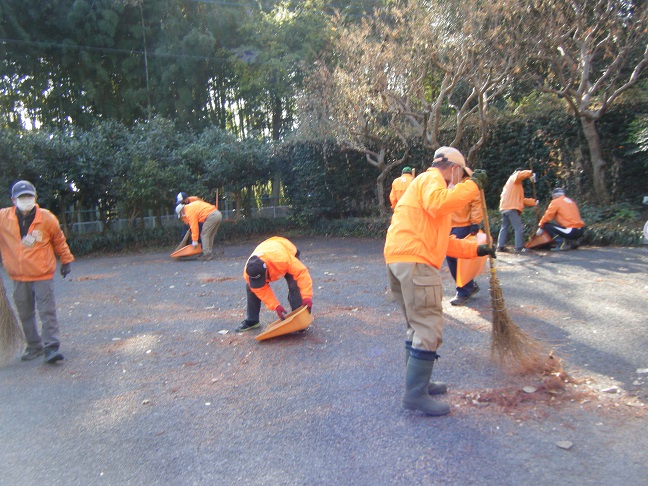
[
  {"x": 417, "y": 379},
  {"x": 434, "y": 387}
]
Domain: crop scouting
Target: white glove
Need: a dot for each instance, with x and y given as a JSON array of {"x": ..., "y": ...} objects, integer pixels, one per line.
[
  {"x": 537, "y": 202},
  {"x": 533, "y": 177},
  {"x": 540, "y": 232},
  {"x": 194, "y": 244}
]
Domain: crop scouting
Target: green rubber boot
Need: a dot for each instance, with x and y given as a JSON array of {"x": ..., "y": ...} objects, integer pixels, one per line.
[
  {"x": 417, "y": 379},
  {"x": 434, "y": 387}
]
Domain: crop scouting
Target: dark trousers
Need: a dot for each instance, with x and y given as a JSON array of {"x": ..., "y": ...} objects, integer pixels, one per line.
[
  {"x": 254, "y": 303},
  {"x": 556, "y": 231},
  {"x": 460, "y": 232}
]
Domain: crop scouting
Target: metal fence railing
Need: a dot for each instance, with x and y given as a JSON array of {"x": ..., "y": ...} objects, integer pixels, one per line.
[{"x": 94, "y": 225}]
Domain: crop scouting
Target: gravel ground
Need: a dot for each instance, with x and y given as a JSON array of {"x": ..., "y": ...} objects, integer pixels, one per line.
[{"x": 156, "y": 388}]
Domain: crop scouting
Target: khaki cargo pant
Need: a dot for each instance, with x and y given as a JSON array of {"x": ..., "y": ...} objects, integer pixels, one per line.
[
  {"x": 418, "y": 290},
  {"x": 209, "y": 230}
]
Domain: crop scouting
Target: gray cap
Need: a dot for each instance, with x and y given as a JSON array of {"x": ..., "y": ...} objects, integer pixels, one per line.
[{"x": 21, "y": 188}]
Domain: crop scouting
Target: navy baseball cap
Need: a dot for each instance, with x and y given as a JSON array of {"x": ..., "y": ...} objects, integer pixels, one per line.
[
  {"x": 256, "y": 270},
  {"x": 21, "y": 188}
]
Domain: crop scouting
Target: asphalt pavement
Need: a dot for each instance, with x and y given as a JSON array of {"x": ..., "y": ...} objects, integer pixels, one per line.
[{"x": 157, "y": 388}]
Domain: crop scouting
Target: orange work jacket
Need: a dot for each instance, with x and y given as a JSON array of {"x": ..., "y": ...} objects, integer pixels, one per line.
[
  {"x": 564, "y": 211},
  {"x": 471, "y": 213},
  {"x": 196, "y": 212},
  {"x": 512, "y": 196},
  {"x": 279, "y": 256},
  {"x": 36, "y": 261},
  {"x": 398, "y": 188},
  {"x": 420, "y": 227}
]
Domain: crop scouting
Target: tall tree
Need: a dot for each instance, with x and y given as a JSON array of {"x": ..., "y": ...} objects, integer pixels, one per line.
[{"x": 589, "y": 53}]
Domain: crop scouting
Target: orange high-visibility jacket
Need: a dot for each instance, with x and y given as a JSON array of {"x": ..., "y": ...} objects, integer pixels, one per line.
[
  {"x": 279, "y": 256},
  {"x": 196, "y": 212},
  {"x": 470, "y": 214},
  {"x": 513, "y": 193},
  {"x": 37, "y": 261},
  {"x": 398, "y": 188},
  {"x": 420, "y": 227},
  {"x": 564, "y": 211}
]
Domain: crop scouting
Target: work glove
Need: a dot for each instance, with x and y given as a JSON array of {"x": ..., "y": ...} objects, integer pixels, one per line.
[
  {"x": 483, "y": 250},
  {"x": 480, "y": 178},
  {"x": 537, "y": 202},
  {"x": 281, "y": 312},
  {"x": 539, "y": 232},
  {"x": 474, "y": 229},
  {"x": 533, "y": 177},
  {"x": 308, "y": 303},
  {"x": 65, "y": 269},
  {"x": 194, "y": 244}
]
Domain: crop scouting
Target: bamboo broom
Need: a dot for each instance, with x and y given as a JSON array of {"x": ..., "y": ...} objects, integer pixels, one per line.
[
  {"x": 510, "y": 346},
  {"x": 11, "y": 336}
]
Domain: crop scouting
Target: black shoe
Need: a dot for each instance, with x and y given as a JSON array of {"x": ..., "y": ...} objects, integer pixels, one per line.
[
  {"x": 247, "y": 325},
  {"x": 461, "y": 300},
  {"x": 31, "y": 353},
  {"x": 52, "y": 355},
  {"x": 520, "y": 250},
  {"x": 502, "y": 249}
]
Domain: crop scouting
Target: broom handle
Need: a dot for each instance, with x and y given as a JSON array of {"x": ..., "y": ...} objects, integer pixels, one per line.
[
  {"x": 537, "y": 209},
  {"x": 486, "y": 224}
]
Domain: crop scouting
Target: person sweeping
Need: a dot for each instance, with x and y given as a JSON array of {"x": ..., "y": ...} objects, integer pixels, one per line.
[
  {"x": 417, "y": 242},
  {"x": 30, "y": 240}
]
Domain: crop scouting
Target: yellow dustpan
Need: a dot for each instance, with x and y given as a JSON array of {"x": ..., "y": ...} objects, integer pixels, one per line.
[
  {"x": 297, "y": 320},
  {"x": 186, "y": 251}
]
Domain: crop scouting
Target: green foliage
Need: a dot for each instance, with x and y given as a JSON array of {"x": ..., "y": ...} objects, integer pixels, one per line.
[{"x": 322, "y": 180}]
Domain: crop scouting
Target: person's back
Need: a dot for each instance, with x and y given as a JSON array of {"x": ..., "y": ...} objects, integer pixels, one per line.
[{"x": 400, "y": 185}]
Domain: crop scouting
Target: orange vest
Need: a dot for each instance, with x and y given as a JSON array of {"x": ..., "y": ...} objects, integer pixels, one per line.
[
  {"x": 279, "y": 256},
  {"x": 196, "y": 212},
  {"x": 398, "y": 188},
  {"x": 564, "y": 211},
  {"x": 37, "y": 261},
  {"x": 420, "y": 227},
  {"x": 512, "y": 196}
]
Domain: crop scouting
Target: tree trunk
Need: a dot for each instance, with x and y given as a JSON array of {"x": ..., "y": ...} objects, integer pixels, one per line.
[
  {"x": 597, "y": 162},
  {"x": 380, "y": 191}
]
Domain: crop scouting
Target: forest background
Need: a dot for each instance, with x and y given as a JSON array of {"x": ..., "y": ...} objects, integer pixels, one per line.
[{"x": 114, "y": 106}]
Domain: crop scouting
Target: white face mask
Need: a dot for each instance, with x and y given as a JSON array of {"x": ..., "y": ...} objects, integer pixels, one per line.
[{"x": 25, "y": 204}]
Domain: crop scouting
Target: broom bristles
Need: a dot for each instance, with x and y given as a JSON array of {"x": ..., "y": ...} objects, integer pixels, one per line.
[
  {"x": 510, "y": 346},
  {"x": 11, "y": 336}
]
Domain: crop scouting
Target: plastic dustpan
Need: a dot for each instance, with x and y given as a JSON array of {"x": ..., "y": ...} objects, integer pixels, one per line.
[
  {"x": 539, "y": 241},
  {"x": 469, "y": 268},
  {"x": 297, "y": 320},
  {"x": 186, "y": 251}
]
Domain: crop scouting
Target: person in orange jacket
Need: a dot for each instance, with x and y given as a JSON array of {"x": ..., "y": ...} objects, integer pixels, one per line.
[
  {"x": 565, "y": 212},
  {"x": 417, "y": 242},
  {"x": 30, "y": 240},
  {"x": 203, "y": 220},
  {"x": 399, "y": 186},
  {"x": 273, "y": 259},
  {"x": 465, "y": 222},
  {"x": 512, "y": 203}
]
